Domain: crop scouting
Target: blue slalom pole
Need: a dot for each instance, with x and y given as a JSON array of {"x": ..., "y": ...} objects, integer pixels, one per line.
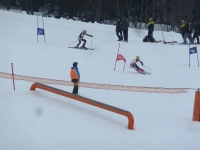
[
  {"x": 37, "y": 29},
  {"x": 189, "y": 54},
  {"x": 197, "y": 57},
  {"x": 43, "y": 29}
]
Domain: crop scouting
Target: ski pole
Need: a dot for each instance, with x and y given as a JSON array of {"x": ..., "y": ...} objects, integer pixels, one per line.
[
  {"x": 72, "y": 42},
  {"x": 148, "y": 68}
]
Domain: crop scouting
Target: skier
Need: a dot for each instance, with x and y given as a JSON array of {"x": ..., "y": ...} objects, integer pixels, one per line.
[
  {"x": 80, "y": 38},
  {"x": 133, "y": 64},
  {"x": 75, "y": 77}
]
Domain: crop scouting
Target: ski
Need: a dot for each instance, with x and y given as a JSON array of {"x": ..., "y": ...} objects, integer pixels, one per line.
[
  {"x": 148, "y": 73},
  {"x": 82, "y": 48},
  {"x": 90, "y": 48},
  {"x": 144, "y": 73}
]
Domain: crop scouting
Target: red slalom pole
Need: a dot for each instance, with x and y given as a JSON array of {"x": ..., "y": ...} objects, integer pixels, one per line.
[
  {"x": 13, "y": 76},
  {"x": 163, "y": 35},
  {"x": 118, "y": 48},
  {"x": 116, "y": 58}
]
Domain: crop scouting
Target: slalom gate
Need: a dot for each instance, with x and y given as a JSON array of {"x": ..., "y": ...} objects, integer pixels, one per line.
[
  {"x": 87, "y": 101},
  {"x": 96, "y": 85}
]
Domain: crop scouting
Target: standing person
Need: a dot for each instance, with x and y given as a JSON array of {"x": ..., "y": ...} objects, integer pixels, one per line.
[
  {"x": 80, "y": 38},
  {"x": 196, "y": 31},
  {"x": 150, "y": 27},
  {"x": 125, "y": 26},
  {"x": 119, "y": 30},
  {"x": 188, "y": 32},
  {"x": 133, "y": 64},
  {"x": 182, "y": 29},
  {"x": 75, "y": 77}
]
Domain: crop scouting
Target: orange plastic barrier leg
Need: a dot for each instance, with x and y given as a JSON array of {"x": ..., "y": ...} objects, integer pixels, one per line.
[
  {"x": 87, "y": 101},
  {"x": 196, "y": 112}
]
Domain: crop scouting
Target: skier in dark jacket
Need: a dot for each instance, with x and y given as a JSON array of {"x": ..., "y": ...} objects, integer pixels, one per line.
[
  {"x": 150, "y": 27},
  {"x": 196, "y": 31},
  {"x": 125, "y": 26},
  {"x": 80, "y": 38},
  {"x": 119, "y": 30}
]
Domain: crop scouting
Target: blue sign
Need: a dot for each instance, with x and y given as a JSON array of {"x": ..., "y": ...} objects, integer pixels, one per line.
[{"x": 40, "y": 31}]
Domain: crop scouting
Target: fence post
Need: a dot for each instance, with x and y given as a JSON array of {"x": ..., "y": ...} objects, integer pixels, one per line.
[{"x": 196, "y": 112}]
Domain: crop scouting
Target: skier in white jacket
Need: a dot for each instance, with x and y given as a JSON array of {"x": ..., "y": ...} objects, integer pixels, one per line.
[{"x": 133, "y": 64}]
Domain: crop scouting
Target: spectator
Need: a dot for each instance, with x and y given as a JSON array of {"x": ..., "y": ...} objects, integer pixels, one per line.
[
  {"x": 150, "y": 27},
  {"x": 182, "y": 29},
  {"x": 119, "y": 30},
  {"x": 75, "y": 77},
  {"x": 188, "y": 32},
  {"x": 196, "y": 31},
  {"x": 125, "y": 26}
]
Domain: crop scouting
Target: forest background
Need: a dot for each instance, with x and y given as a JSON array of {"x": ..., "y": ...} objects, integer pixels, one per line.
[{"x": 169, "y": 13}]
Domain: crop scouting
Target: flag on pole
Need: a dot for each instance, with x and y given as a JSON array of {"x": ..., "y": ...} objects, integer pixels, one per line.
[
  {"x": 40, "y": 31},
  {"x": 120, "y": 57},
  {"x": 193, "y": 50}
]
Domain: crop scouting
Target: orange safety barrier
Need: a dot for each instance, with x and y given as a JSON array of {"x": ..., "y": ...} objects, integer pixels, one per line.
[
  {"x": 196, "y": 112},
  {"x": 87, "y": 101}
]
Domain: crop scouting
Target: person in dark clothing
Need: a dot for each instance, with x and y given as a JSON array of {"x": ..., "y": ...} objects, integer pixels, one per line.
[
  {"x": 80, "y": 38},
  {"x": 75, "y": 77},
  {"x": 150, "y": 27},
  {"x": 182, "y": 29},
  {"x": 196, "y": 31},
  {"x": 125, "y": 26},
  {"x": 188, "y": 32},
  {"x": 119, "y": 30}
]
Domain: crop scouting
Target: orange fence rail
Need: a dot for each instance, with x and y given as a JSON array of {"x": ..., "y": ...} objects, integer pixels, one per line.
[{"x": 87, "y": 101}]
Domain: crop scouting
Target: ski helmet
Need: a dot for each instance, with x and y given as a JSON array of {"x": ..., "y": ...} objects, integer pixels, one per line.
[
  {"x": 84, "y": 31},
  {"x": 137, "y": 57},
  {"x": 150, "y": 19},
  {"x": 75, "y": 64}
]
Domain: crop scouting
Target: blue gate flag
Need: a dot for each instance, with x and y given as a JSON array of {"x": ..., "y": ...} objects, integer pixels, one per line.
[
  {"x": 40, "y": 31},
  {"x": 193, "y": 50}
]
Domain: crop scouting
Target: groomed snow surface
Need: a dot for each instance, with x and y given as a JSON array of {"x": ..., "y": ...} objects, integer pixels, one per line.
[{"x": 40, "y": 120}]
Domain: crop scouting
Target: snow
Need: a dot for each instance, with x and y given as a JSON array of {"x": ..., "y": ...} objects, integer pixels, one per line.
[{"x": 42, "y": 120}]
